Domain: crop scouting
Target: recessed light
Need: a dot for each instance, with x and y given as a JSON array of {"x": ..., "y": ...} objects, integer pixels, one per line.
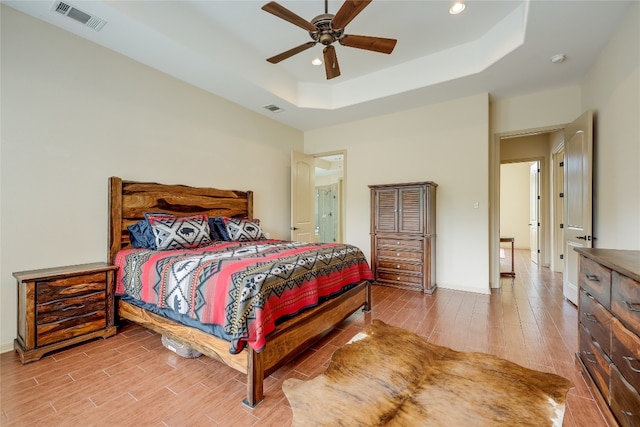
[
  {"x": 559, "y": 58},
  {"x": 316, "y": 61},
  {"x": 457, "y": 8}
]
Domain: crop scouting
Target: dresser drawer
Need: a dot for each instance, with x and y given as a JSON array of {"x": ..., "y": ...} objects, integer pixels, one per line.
[
  {"x": 400, "y": 266},
  {"x": 595, "y": 360},
  {"x": 625, "y": 400},
  {"x": 400, "y": 278},
  {"x": 625, "y": 301},
  {"x": 387, "y": 242},
  {"x": 400, "y": 255},
  {"x": 596, "y": 320},
  {"x": 625, "y": 353},
  {"x": 596, "y": 279}
]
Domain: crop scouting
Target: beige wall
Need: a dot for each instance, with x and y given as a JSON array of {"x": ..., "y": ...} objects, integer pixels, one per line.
[
  {"x": 612, "y": 90},
  {"x": 444, "y": 143},
  {"x": 514, "y": 203},
  {"x": 74, "y": 113}
]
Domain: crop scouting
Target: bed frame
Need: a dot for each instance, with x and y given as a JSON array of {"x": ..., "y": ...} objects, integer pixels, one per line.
[{"x": 129, "y": 200}]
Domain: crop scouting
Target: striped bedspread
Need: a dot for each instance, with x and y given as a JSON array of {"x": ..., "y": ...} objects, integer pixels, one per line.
[{"x": 242, "y": 287}]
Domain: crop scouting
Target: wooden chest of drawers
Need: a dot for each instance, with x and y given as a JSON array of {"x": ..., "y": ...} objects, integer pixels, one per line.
[
  {"x": 400, "y": 261},
  {"x": 609, "y": 329},
  {"x": 403, "y": 235},
  {"x": 58, "y": 307}
]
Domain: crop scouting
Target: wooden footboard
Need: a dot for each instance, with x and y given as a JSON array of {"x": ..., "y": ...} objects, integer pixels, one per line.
[{"x": 283, "y": 344}]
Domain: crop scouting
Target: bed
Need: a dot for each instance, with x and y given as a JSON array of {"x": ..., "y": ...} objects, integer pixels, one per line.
[{"x": 129, "y": 201}]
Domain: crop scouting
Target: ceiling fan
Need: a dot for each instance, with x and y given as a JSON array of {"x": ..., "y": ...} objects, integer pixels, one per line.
[{"x": 327, "y": 29}]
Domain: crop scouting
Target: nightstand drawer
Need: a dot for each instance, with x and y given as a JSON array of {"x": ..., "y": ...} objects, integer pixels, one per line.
[
  {"x": 58, "y": 310},
  {"x": 52, "y": 290},
  {"x": 49, "y": 333}
]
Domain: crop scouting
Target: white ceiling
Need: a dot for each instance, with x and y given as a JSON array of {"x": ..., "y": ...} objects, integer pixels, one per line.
[{"x": 500, "y": 47}]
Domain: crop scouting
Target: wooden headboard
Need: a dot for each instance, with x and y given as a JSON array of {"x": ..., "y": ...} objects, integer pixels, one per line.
[{"x": 129, "y": 200}]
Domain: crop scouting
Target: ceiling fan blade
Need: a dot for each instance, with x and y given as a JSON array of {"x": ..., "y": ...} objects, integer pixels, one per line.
[
  {"x": 377, "y": 44},
  {"x": 284, "y": 55},
  {"x": 284, "y": 13},
  {"x": 349, "y": 10},
  {"x": 331, "y": 62}
]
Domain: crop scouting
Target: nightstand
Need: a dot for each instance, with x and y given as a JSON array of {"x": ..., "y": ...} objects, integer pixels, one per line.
[{"x": 62, "y": 306}]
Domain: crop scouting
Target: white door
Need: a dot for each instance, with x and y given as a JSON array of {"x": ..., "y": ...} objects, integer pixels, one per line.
[
  {"x": 534, "y": 211},
  {"x": 577, "y": 198},
  {"x": 302, "y": 197}
]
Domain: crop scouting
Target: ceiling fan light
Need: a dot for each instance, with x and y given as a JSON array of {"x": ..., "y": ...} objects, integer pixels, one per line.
[
  {"x": 457, "y": 8},
  {"x": 316, "y": 61}
]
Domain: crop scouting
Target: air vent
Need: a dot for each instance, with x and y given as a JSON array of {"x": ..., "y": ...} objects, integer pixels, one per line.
[
  {"x": 274, "y": 108},
  {"x": 76, "y": 14}
]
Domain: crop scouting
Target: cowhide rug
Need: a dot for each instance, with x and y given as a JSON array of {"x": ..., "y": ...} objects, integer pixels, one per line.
[{"x": 387, "y": 376}]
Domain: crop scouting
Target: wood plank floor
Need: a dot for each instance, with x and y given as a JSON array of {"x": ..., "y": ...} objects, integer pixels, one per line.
[{"x": 131, "y": 379}]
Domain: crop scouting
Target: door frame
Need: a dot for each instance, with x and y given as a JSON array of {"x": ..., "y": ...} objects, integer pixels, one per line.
[
  {"x": 537, "y": 200},
  {"x": 343, "y": 189},
  {"x": 557, "y": 186},
  {"x": 494, "y": 194}
]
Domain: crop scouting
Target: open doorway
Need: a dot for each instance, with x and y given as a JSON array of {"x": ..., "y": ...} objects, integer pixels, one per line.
[
  {"x": 318, "y": 197},
  {"x": 525, "y": 148},
  {"x": 519, "y": 211},
  {"x": 568, "y": 156},
  {"x": 329, "y": 197}
]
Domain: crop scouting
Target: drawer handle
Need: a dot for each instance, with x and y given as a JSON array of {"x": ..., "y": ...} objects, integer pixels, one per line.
[
  {"x": 397, "y": 253},
  {"x": 629, "y": 415},
  {"x": 73, "y": 307},
  {"x": 629, "y": 361},
  {"x": 398, "y": 266},
  {"x": 593, "y": 277},
  {"x": 587, "y": 354},
  {"x": 590, "y": 317},
  {"x": 398, "y": 278},
  {"x": 397, "y": 243},
  {"x": 632, "y": 306}
]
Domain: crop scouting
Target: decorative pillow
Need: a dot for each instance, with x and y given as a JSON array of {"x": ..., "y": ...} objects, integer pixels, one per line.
[
  {"x": 180, "y": 232},
  {"x": 218, "y": 229},
  {"x": 243, "y": 229},
  {"x": 141, "y": 234}
]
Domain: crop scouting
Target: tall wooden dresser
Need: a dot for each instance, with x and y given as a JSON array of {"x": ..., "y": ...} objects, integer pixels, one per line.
[
  {"x": 609, "y": 329},
  {"x": 403, "y": 235}
]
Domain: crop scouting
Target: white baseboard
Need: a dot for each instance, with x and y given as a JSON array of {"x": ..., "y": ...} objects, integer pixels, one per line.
[{"x": 7, "y": 347}]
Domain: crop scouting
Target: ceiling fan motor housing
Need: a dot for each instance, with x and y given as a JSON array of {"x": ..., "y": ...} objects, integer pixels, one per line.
[{"x": 325, "y": 34}]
